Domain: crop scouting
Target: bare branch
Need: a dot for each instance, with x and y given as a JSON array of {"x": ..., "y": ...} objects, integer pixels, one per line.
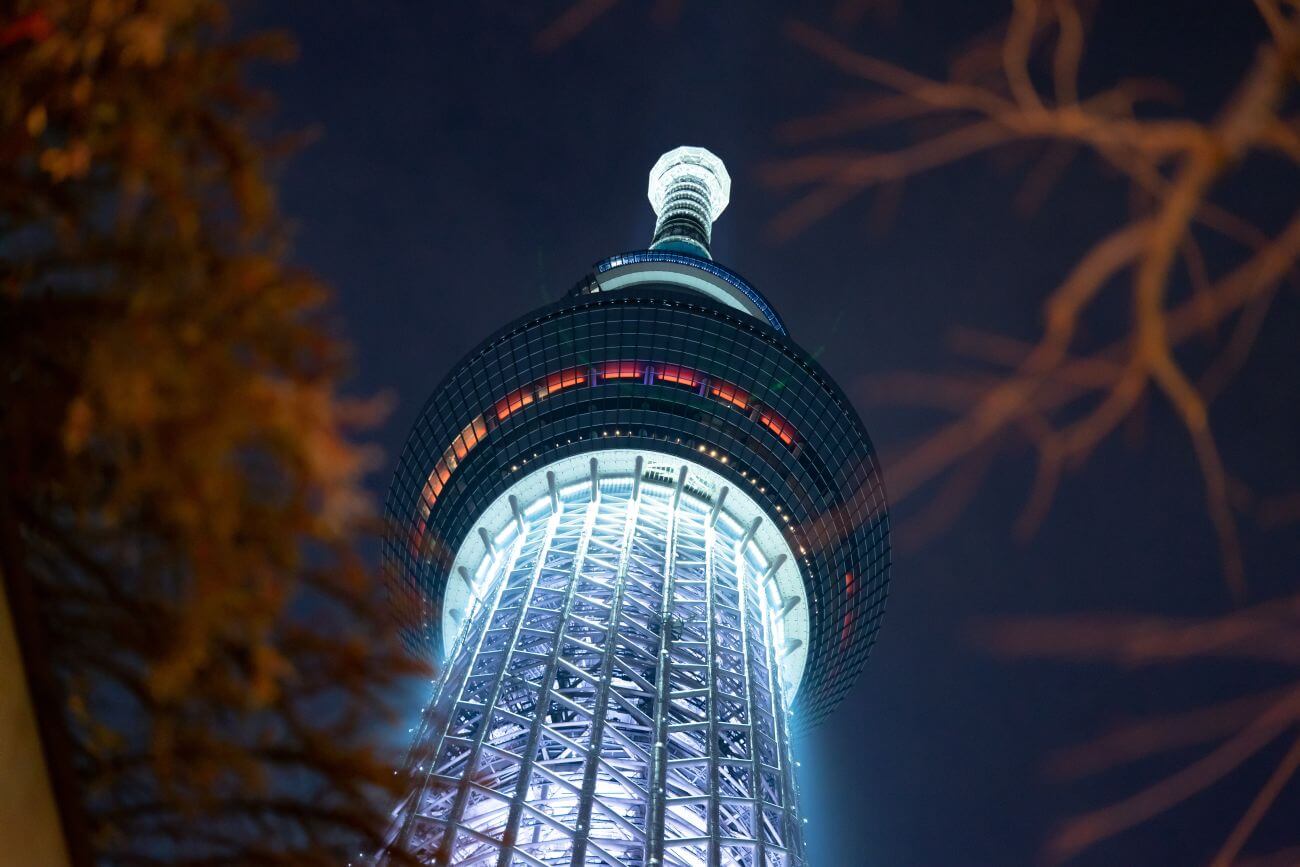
[
  {"x": 576, "y": 18},
  {"x": 1068, "y": 405},
  {"x": 1148, "y": 737},
  {"x": 1263, "y": 801},
  {"x": 1091, "y": 828}
]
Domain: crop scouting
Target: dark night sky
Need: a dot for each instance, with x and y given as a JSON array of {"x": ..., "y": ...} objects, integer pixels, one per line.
[{"x": 463, "y": 178}]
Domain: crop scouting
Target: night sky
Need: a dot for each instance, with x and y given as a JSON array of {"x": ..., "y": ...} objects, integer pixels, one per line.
[{"x": 463, "y": 178}]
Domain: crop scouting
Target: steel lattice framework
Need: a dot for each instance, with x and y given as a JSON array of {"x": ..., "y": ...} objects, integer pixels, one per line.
[{"x": 614, "y": 697}]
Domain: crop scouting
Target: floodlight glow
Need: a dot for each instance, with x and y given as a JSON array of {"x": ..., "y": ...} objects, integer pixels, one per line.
[
  {"x": 543, "y": 730},
  {"x": 689, "y": 189}
]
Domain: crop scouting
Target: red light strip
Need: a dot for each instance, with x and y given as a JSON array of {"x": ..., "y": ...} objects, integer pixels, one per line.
[
  {"x": 622, "y": 370},
  {"x": 778, "y": 426},
  {"x": 476, "y": 431},
  {"x": 729, "y": 393},
  {"x": 678, "y": 375}
]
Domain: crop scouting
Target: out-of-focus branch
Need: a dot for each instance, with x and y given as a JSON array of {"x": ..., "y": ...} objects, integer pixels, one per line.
[
  {"x": 1283, "y": 858},
  {"x": 1089, "y": 829},
  {"x": 580, "y": 15},
  {"x": 1237, "y": 730},
  {"x": 1265, "y": 799},
  {"x": 573, "y": 20},
  {"x": 1148, "y": 737},
  {"x": 1174, "y": 165},
  {"x": 1063, "y": 396},
  {"x": 1251, "y": 634}
]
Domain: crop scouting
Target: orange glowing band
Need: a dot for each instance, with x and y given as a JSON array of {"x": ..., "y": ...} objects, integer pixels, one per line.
[
  {"x": 847, "y": 629},
  {"x": 477, "y": 430},
  {"x": 727, "y": 392},
  {"x": 622, "y": 370},
  {"x": 678, "y": 375},
  {"x": 513, "y": 402},
  {"x": 779, "y": 426},
  {"x": 472, "y": 435},
  {"x": 562, "y": 380}
]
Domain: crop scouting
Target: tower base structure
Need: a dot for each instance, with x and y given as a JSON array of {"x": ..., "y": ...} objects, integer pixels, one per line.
[{"x": 616, "y": 694}]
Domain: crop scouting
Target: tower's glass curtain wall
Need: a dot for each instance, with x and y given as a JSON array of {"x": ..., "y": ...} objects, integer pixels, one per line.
[{"x": 646, "y": 538}]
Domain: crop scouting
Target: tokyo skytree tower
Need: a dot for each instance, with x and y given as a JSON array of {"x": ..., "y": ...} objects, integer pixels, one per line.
[{"x": 644, "y": 535}]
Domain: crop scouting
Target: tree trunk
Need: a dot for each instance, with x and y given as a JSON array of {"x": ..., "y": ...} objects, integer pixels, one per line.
[{"x": 29, "y": 815}]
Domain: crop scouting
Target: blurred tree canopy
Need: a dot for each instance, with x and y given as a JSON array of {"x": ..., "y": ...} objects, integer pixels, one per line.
[{"x": 180, "y": 488}]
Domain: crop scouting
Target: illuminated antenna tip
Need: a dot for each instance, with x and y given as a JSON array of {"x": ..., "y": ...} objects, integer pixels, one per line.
[{"x": 689, "y": 189}]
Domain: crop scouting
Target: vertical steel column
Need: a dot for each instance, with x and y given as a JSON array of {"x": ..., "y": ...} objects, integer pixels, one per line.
[
  {"x": 447, "y": 684},
  {"x": 659, "y": 756},
  {"x": 744, "y": 589},
  {"x": 792, "y": 834},
  {"x": 452, "y": 832},
  {"x": 601, "y": 708},
  {"x": 534, "y": 734},
  {"x": 711, "y": 638}
]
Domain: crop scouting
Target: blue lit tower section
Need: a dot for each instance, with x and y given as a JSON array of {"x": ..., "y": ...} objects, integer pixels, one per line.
[{"x": 645, "y": 537}]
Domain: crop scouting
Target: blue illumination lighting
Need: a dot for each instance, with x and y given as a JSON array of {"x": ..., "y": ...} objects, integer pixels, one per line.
[
  {"x": 726, "y": 275},
  {"x": 540, "y": 730}
]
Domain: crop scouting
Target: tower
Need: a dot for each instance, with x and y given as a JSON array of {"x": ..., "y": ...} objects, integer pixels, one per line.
[{"x": 646, "y": 537}]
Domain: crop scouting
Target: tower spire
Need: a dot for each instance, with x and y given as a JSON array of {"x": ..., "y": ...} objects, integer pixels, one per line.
[{"x": 689, "y": 189}]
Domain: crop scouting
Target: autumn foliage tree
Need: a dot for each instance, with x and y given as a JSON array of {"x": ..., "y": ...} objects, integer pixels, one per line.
[{"x": 180, "y": 488}]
